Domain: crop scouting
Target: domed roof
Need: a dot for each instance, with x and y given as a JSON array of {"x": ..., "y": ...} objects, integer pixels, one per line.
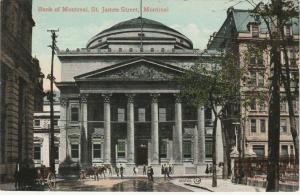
[{"x": 136, "y": 23}]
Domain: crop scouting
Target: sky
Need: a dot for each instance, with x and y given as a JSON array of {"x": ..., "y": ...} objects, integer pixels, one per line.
[{"x": 197, "y": 19}]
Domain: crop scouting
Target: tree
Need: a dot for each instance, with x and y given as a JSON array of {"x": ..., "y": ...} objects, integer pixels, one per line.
[
  {"x": 276, "y": 15},
  {"x": 214, "y": 83}
]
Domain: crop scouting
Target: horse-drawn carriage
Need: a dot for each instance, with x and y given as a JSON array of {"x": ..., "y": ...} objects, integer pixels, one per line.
[{"x": 45, "y": 177}]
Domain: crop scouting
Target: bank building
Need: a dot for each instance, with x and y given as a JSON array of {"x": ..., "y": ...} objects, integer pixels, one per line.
[{"x": 120, "y": 103}]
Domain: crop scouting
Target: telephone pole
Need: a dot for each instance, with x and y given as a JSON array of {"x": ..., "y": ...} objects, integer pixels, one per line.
[{"x": 50, "y": 98}]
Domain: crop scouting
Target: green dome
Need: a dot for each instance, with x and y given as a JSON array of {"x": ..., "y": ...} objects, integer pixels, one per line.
[{"x": 136, "y": 23}]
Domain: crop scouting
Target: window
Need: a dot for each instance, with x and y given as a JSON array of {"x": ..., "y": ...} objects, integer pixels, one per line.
[
  {"x": 55, "y": 122},
  {"x": 283, "y": 106},
  {"x": 262, "y": 125},
  {"x": 162, "y": 114},
  {"x": 37, "y": 123},
  {"x": 288, "y": 30},
  {"x": 109, "y": 49},
  {"x": 162, "y": 49},
  {"x": 262, "y": 107},
  {"x": 284, "y": 150},
  {"x": 293, "y": 57},
  {"x": 96, "y": 150},
  {"x": 252, "y": 81},
  {"x": 74, "y": 114},
  {"x": 295, "y": 106},
  {"x": 130, "y": 49},
  {"x": 255, "y": 31},
  {"x": 253, "y": 125},
  {"x": 253, "y": 104},
  {"x": 283, "y": 125},
  {"x": 37, "y": 152},
  {"x": 56, "y": 152},
  {"x": 259, "y": 150},
  {"x": 141, "y": 49},
  {"x": 74, "y": 150},
  {"x": 187, "y": 149},
  {"x": 208, "y": 149},
  {"x": 120, "y": 49},
  {"x": 291, "y": 150},
  {"x": 121, "y": 149},
  {"x": 208, "y": 117},
  {"x": 141, "y": 35},
  {"x": 260, "y": 79},
  {"x": 173, "y": 50},
  {"x": 252, "y": 59},
  {"x": 121, "y": 114},
  {"x": 142, "y": 114},
  {"x": 152, "y": 49},
  {"x": 163, "y": 149}
]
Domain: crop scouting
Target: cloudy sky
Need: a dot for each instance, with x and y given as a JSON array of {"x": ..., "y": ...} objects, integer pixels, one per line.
[{"x": 197, "y": 19}]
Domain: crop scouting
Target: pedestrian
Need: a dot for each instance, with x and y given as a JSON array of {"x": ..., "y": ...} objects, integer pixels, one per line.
[
  {"x": 170, "y": 169},
  {"x": 167, "y": 171},
  {"x": 121, "y": 171},
  {"x": 150, "y": 173},
  {"x": 207, "y": 169},
  {"x": 144, "y": 169},
  {"x": 109, "y": 170},
  {"x": 17, "y": 177},
  {"x": 117, "y": 171},
  {"x": 95, "y": 170}
]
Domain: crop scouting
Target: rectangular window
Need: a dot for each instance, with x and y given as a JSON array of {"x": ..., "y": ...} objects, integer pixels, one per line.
[
  {"x": 260, "y": 79},
  {"x": 208, "y": 149},
  {"x": 255, "y": 31},
  {"x": 253, "y": 125},
  {"x": 252, "y": 81},
  {"x": 259, "y": 150},
  {"x": 96, "y": 150},
  {"x": 74, "y": 150},
  {"x": 283, "y": 125},
  {"x": 284, "y": 150},
  {"x": 121, "y": 114},
  {"x": 288, "y": 30},
  {"x": 253, "y": 105},
  {"x": 262, "y": 125},
  {"x": 162, "y": 114},
  {"x": 121, "y": 149},
  {"x": 295, "y": 106},
  {"x": 262, "y": 107},
  {"x": 130, "y": 49},
  {"x": 74, "y": 114},
  {"x": 142, "y": 114},
  {"x": 37, "y": 123},
  {"x": 152, "y": 49},
  {"x": 56, "y": 152},
  {"x": 252, "y": 59},
  {"x": 291, "y": 150},
  {"x": 283, "y": 106},
  {"x": 162, "y": 50},
  {"x": 109, "y": 49},
  {"x": 55, "y": 122},
  {"x": 187, "y": 149},
  {"x": 37, "y": 152},
  {"x": 163, "y": 149}
]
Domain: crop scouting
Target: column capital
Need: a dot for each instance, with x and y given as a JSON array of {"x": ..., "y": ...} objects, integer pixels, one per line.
[
  {"x": 178, "y": 98},
  {"x": 106, "y": 97},
  {"x": 154, "y": 97},
  {"x": 130, "y": 97},
  {"x": 63, "y": 101},
  {"x": 83, "y": 98}
]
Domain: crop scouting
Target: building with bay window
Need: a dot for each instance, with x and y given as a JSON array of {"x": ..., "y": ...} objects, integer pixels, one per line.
[{"x": 120, "y": 101}]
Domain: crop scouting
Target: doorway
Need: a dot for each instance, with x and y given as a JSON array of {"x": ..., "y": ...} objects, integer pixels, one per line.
[{"x": 142, "y": 153}]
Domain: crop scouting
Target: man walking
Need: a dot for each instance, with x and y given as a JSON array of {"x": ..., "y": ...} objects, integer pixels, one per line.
[
  {"x": 121, "y": 171},
  {"x": 150, "y": 173}
]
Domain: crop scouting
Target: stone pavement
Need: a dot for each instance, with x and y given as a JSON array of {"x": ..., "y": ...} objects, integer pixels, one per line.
[{"x": 223, "y": 185}]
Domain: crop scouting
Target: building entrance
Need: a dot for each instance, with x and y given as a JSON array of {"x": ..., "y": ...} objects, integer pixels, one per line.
[{"x": 142, "y": 153}]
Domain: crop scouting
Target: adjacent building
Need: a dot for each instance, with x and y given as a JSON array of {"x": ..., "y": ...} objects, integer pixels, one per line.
[
  {"x": 120, "y": 101},
  {"x": 240, "y": 33},
  {"x": 41, "y": 131},
  {"x": 21, "y": 86}
]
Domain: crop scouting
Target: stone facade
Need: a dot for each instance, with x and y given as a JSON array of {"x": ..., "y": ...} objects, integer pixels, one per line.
[
  {"x": 21, "y": 86},
  {"x": 245, "y": 30},
  {"x": 120, "y": 101}
]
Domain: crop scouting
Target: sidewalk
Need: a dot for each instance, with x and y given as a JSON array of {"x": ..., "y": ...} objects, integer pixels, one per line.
[
  {"x": 222, "y": 186},
  {"x": 7, "y": 187}
]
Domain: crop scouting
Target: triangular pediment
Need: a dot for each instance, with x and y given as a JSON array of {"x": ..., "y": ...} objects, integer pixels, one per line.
[{"x": 138, "y": 69}]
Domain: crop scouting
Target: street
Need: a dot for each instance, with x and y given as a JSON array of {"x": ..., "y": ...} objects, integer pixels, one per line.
[{"x": 129, "y": 185}]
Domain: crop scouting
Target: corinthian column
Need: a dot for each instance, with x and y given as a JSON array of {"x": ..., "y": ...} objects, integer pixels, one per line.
[
  {"x": 178, "y": 131},
  {"x": 130, "y": 127},
  {"x": 154, "y": 128},
  {"x": 63, "y": 149},
  {"x": 84, "y": 131},
  {"x": 107, "y": 130},
  {"x": 201, "y": 133}
]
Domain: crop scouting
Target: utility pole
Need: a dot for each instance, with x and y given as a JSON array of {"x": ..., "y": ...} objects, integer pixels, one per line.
[{"x": 50, "y": 97}]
